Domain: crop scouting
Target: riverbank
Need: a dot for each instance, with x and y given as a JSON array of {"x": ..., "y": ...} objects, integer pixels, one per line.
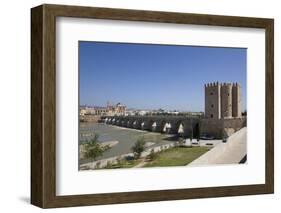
[
  {"x": 125, "y": 136},
  {"x": 129, "y": 129}
]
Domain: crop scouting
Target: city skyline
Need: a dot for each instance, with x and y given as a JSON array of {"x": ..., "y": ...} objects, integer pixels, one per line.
[{"x": 150, "y": 76}]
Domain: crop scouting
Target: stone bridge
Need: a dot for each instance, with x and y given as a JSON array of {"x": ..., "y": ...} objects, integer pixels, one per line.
[{"x": 182, "y": 125}]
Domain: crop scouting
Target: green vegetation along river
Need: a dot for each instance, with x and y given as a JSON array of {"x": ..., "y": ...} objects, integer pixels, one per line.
[{"x": 125, "y": 137}]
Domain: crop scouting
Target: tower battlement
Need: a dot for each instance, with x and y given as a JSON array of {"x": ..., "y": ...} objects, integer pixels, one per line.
[
  {"x": 215, "y": 84},
  {"x": 222, "y": 100}
]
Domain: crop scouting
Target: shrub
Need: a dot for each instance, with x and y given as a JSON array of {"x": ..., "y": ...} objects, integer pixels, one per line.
[
  {"x": 152, "y": 155},
  {"x": 191, "y": 135},
  {"x": 93, "y": 149},
  {"x": 138, "y": 147},
  {"x": 108, "y": 165},
  {"x": 119, "y": 160},
  {"x": 181, "y": 142},
  {"x": 98, "y": 164}
]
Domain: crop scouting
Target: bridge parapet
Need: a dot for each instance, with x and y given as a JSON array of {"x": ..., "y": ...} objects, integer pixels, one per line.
[
  {"x": 182, "y": 125},
  {"x": 163, "y": 124}
]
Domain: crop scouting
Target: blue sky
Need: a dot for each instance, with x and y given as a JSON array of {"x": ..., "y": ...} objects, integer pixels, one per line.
[{"x": 149, "y": 76}]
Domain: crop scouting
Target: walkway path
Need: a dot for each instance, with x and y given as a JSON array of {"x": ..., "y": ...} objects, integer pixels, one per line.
[
  {"x": 141, "y": 164},
  {"x": 231, "y": 152}
]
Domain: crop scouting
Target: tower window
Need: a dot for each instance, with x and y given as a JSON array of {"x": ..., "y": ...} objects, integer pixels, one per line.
[
  {"x": 227, "y": 94},
  {"x": 212, "y": 115},
  {"x": 212, "y": 105},
  {"x": 211, "y": 93}
]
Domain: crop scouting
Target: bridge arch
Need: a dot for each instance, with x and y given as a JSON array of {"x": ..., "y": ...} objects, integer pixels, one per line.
[
  {"x": 158, "y": 125},
  {"x": 146, "y": 124},
  {"x": 188, "y": 128},
  {"x": 172, "y": 125},
  {"x": 137, "y": 124}
]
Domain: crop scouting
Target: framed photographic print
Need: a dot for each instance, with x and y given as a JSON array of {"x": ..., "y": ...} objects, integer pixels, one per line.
[{"x": 137, "y": 106}]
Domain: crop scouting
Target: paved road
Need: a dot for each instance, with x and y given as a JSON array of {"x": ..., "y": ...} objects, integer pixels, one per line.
[{"x": 231, "y": 152}]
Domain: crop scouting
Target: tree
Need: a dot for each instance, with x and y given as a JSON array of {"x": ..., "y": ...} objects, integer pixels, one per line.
[
  {"x": 199, "y": 131},
  {"x": 191, "y": 133},
  {"x": 138, "y": 147},
  {"x": 181, "y": 141},
  {"x": 93, "y": 149}
]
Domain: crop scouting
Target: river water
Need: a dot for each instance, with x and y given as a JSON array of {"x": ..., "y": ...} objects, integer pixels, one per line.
[{"x": 125, "y": 136}]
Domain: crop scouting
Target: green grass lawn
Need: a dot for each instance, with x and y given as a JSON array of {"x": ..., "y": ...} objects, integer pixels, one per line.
[{"x": 177, "y": 156}]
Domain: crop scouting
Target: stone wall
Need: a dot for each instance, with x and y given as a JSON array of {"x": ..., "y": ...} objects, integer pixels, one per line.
[
  {"x": 221, "y": 127},
  {"x": 89, "y": 118}
]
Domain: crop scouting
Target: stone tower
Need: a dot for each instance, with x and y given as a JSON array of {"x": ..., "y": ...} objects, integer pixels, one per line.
[
  {"x": 222, "y": 100},
  {"x": 236, "y": 100},
  {"x": 226, "y": 100},
  {"x": 212, "y": 100}
]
